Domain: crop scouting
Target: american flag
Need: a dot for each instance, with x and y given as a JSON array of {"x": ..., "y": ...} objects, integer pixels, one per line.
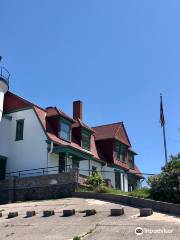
[{"x": 162, "y": 119}]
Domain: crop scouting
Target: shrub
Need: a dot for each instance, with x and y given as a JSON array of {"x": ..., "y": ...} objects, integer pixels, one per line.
[
  {"x": 76, "y": 238},
  {"x": 166, "y": 185},
  {"x": 90, "y": 212},
  {"x": 94, "y": 180}
]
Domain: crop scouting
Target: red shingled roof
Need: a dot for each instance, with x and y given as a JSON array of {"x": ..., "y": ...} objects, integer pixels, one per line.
[
  {"x": 80, "y": 123},
  {"x": 13, "y": 102},
  {"x": 52, "y": 136},
  {"x": 136, "y": 171},
  {"x": 117, "y": 131},
  {"x": 54, "y": 111},
  {"x": 114, "y": 130}
]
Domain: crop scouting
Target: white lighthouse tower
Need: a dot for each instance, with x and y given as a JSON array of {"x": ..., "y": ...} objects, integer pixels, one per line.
[{"x": 4, "y": 86}]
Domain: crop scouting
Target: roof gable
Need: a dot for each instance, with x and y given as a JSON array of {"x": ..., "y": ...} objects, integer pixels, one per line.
[
  {"x": 54, "y": 112},
  {"x": 12, "y": 102},
  {"x": 114, "y": 130}
]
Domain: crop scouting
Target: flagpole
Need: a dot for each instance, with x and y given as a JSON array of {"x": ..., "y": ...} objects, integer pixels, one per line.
[
  {"x": 165, "y": 145},
  {"x": 164, "y": 138}
]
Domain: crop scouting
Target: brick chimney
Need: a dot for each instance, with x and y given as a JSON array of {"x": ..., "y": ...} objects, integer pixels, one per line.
[{"x": 77, "y": 110}]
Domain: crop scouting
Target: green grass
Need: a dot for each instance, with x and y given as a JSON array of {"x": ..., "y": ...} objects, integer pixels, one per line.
[{"x": 141, "y": 193}]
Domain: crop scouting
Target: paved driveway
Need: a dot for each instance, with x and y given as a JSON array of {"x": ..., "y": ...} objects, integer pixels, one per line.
[{"x": 98, "y": 227}]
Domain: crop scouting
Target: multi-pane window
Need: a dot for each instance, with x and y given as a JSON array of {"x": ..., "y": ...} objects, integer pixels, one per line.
[
  {"x": 86, "y": 139},
  {"x": 19, "y": 129},
  {"x": 65, "y": 129},
  {"x": 121, "y": 151},
  {"x": 131, "y": 159},
  {"x": 118, "y": 150}
]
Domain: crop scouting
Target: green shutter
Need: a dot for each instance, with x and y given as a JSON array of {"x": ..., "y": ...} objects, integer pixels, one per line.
[
  {"x": 118, "y": 150},
  {"x": 131, "y": 160}
]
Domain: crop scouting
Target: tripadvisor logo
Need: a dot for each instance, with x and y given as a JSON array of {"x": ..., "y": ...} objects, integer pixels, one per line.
[{"x": 138, "y": 231}]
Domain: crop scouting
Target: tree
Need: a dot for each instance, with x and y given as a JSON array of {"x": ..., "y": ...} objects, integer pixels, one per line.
[{"x": 166, "y": 185}]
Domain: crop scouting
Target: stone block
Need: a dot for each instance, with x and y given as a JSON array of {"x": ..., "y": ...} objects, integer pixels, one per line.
[
  {"x": 144, "y": 212},
  {"x": 48, "y": 213},
  {"x": 117, "y": 211},
  {"x": 30, "y": 213},
  {"x": 12, "y": 214},
  {"x": 68, "y": 212}
]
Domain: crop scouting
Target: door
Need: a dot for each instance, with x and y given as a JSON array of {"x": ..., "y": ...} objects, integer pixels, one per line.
[
  {"x": 2, "y": 167},
  {"x": 75, "y": 163},
  {"x": 62, "y": 163},
  {"x": 117, "y": 180}
]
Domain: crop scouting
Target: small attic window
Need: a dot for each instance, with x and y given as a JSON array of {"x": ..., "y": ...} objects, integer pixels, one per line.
[
  {"x": 85, "y": 142},
  {"x": 65, "y": 129}
]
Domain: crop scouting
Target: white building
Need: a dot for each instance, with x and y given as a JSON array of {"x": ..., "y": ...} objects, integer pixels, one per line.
[{"x": 35, "y": 141}]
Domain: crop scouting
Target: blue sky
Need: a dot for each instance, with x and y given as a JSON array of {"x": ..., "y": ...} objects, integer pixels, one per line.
[{"x": 116, "y": 56}]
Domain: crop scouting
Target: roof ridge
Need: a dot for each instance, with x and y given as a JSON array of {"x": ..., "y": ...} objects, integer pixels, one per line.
[{"x": 108, "y": 124}]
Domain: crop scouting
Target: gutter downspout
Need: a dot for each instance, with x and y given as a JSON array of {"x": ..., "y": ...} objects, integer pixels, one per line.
[
  {"x": 49, "y": 151},
  {"x": 51, "y": 148}
]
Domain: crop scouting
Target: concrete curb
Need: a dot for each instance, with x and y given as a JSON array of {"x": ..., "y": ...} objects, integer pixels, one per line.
[{"x": 158, "y": 206}]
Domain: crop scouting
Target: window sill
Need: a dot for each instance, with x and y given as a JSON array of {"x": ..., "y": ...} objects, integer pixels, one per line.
[
  {"x": 89, "y": 150},
  {"x": 17, "y": 140}
]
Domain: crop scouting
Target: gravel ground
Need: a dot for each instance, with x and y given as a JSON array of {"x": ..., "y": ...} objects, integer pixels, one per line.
[{"x": 97, "y": 227}]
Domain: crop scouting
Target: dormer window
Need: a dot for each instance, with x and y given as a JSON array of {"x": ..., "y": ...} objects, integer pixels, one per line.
[
  {"x": 65, "y": 129},
  {"x": 85, "y": 141},
  {"x": 121, "y": 151}
]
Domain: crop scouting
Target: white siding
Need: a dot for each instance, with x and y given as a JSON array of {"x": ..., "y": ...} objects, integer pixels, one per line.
[
  {"x": 84, "y": 166},
  {"x": 108, "y": 173},
  {"x": 4, "y": 137},
  {"x": 31, "y": 152},
  {"x": 53, "y": 161}
]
